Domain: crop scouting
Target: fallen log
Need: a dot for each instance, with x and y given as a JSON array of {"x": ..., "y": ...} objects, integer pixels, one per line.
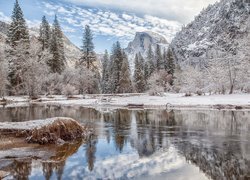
[
  {"x": 3, "y": 102},
  {"x": 48, "y": 131},
  {"x": 135, "y": 105}
]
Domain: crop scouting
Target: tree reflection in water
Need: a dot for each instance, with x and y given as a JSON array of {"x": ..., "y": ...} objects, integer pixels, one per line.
[
  {"x": 47, "y": 169},
  {"x": 90, "y": 153},
  {"x": 215, "y": 141},
  {"x": 21, "y": 169},
  {"x": 50, "y": 167}
]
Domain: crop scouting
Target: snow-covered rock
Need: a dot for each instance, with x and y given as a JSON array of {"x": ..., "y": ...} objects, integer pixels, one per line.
[
  {"x": 222, "y": 28},
  {"x": 47, "y": 131}
]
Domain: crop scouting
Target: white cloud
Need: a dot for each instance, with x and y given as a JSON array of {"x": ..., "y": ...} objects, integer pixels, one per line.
[
  {"x": 31, "y": 24},
  {"x": 4, "y": 18},
  {"x": 127, "y": 17},
  {"x": 71, "y": 20},
  {"x": 180, "y": 10},
  {"x": 160, "y": 165},
  {"x": 121, "y": 25},
  {"x": 68, "y": 29},
  {"x": 62, "y": 10},
  {"x": 49, "y": 13},
  {"x": 50, "y": 6}
]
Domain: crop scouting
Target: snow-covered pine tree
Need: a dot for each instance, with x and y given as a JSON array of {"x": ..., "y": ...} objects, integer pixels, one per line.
[
  {"x": 44, "y": 34},
  {"x": 57, "y": 63},
  {"x": 170, "y": 66},
  {"x": 110, "y": 85},
  {"x": 3, "y": 75},
  {"x": 18, "y": 31},
  {"x": 139, "y": 79},
  {"x": 117, "y": 59},
  {"x": 125, "y": 83},
  {"x": 165, "y": 60},
  {"x": 17, "y": 51},
  {"x": 150, "y": 60},
  {"x": 146, "y": 70},
  {"x": 88, "y": 58},
  {"x": 158, "y": 57},
  {"x": 88, "y": 54},
  {"x": 105, "y": 72}
]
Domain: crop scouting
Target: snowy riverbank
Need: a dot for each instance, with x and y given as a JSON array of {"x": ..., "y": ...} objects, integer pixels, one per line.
[{"x": 238, "y": 101}]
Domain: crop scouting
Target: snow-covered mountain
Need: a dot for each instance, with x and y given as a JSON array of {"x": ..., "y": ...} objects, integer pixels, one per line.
[
  {"x": 220, "y": 28},
  {"x": 72, "y": 52},
  {"x": 141, "y": 44},
  {"x": 143, "y": 40}
]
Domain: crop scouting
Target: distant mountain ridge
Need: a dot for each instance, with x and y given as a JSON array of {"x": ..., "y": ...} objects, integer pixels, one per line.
[{"x": 220, "y": 28}]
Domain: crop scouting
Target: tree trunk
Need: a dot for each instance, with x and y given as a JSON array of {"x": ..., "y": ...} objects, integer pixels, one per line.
[{"x": 231, "y": 89}]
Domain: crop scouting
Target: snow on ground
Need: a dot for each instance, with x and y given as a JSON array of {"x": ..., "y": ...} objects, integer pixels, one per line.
[
  {"x": 174, "y": 100},
  {"x": 168, "y": 99},
  {"x": 29, "y": 125},
  {"x": 17, "y": 98}
]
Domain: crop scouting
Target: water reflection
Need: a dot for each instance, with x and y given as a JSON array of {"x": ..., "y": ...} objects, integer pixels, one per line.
[
  {"x": 141, "y": 144},
  {"x": 90, "y": 153},
  {"x": 50, "y": 160}
]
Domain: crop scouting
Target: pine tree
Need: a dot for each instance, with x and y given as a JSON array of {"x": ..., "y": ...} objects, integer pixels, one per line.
[
  {"x": 110, "y": 84},
  {"x": 150, "y": 58},
  {"x": 170, "y": 67},
  {"x": 165, "y": 60},
  {"x": 125, "y": 83},
  {"x": 139, "y": 79},
  {"x": 105, "y": 72},
  {"x": 170, "y": 62},
  {"x": 3, "y": 76},
  {"x": 18, "y": 31},
  {"x": 88, "y": 56},
  {"x": 158, "y": 57},
  {"x": 146, "y": 70},
  {"x": 57, "y": 63},
  {"x": 17, "y": 52},
  {"x": 117, "y": 59},
  {"x": 142, "y": 61},
  {"x": 44, "y": 34}
]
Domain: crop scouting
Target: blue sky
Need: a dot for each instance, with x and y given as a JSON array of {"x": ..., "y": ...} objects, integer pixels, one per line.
[{"x": 110, "y": 20}]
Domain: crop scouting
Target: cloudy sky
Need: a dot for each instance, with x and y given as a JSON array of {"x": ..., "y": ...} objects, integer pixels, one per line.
[{"x": 110, "y": 20}]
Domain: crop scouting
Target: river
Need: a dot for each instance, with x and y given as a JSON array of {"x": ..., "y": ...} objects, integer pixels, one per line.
[{"x": 139, "y": 144}]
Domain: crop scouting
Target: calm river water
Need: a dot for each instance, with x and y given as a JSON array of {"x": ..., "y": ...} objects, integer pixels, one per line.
[{"x": 141, "y": 144}]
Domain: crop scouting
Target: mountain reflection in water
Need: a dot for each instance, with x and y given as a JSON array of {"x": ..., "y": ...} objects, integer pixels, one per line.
[{"x": 141, "y": 144}]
